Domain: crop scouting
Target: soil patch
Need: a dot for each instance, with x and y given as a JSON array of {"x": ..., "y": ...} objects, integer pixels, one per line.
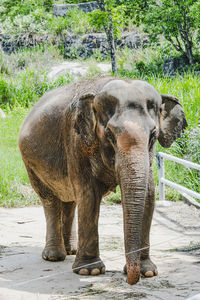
[{"x": 24, "y": 275}]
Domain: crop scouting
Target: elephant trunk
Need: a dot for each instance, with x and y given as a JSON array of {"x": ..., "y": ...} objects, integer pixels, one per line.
[{"x": 133, "y": 169}]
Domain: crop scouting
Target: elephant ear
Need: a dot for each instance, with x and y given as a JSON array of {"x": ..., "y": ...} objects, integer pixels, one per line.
[
  {"x": 172, "y": 120},
  {"x": 85, "y": 121}
]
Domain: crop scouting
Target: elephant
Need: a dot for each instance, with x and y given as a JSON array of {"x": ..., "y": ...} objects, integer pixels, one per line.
[{"x": 82, "y": 140}]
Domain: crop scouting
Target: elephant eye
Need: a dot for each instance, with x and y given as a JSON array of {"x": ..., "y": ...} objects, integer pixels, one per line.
[
  {"x": 110, "y": 112},
  {"x": 136, "y": 106},
  {"x": 152, "y": 106}
]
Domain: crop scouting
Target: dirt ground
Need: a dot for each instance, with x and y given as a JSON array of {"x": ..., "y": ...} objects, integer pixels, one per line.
[{"x": 175, "y": 237}]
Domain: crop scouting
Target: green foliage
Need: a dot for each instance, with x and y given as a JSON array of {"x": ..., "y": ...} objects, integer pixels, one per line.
[
  {"x": 186, "y": 89},
  {"x": 6, "y": 92},
  {"x": 23, "y": 86},
  {"x": 14, "y": 188},
  {"x": 114, "y": 197},
  {"x": 195, "y": 15},
  {"x": 76, "y": 1},
  {"x": 134, "y": 9},
  {"x": 48, "y": 4},
  {"x": 100, "y": 19},
  {"x": 140, "y": 63},
  {"x": 34, "y": 22},
  {"x": 28, "y": 87},
  {"x": 173, "y": 20},
  {"x": 4, "y": 67},
  {"x": 11, "y": 9},
  {"x": 188, "y": 147},
  {"x": 35, "y": 17}
]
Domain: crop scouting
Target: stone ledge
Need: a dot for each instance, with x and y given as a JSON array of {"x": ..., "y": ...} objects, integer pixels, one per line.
[{"x": 62, "y": 9}]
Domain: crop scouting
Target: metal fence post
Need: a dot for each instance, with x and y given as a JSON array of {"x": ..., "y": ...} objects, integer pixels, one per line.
[
  {"x": 161, "y": 175},
  {"x": 187, "y": 193},
  {"x": 161, "y": 172}
]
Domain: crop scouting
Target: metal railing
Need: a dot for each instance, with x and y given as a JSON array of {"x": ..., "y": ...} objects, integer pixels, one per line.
[{"x": 162, "y": 181}]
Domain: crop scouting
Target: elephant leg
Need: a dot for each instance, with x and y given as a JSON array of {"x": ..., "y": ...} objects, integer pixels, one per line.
[
  {"x": 69, "y": 227},
  {"x": 54, "y": 249},
  {"x": 87, "y": 260},
  {"x": 148, "y": 268}
]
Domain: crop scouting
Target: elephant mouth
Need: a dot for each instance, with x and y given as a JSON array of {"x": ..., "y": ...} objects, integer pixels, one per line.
[
  {"x": 152, "y": 138},
  {"x": 110, "y": 137},
  {"x": 108, "y": 153},
  {"x": 108, "y": 156}
]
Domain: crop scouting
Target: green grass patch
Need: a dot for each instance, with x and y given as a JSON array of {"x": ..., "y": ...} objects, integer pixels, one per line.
[
  {"x": 23, "y": 81},
  {"x": 14, "y": 184}
]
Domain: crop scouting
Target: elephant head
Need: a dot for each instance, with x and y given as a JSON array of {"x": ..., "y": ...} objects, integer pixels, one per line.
[{"x": 126, "y": 117}]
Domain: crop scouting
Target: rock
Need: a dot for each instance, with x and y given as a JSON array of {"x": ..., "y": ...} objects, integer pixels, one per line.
[
  {"x": 11, "y": 44},
  {"x": 84, "y": 45},
  {"x": 62, "y": 9},
  {"x": 2, "y": 114},
  {"x": 174, "y": 64},
  {"x": 133, "y": 40}
]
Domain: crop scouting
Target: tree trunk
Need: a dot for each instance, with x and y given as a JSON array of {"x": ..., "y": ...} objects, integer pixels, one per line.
[
  {"x": 110, "y": 37},
  {"x": 188, "y": 49},
  {"x": 111, "y": 43}
]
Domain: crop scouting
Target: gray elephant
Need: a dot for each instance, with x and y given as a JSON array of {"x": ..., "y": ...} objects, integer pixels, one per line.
[{"x": 82, "y": 140}]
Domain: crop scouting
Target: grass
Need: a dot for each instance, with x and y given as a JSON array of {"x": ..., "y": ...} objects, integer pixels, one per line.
[
  {"x": 24, "y": 78},
  {"x": 14, "y": 188},
  {"x": 22, "y": 81}
]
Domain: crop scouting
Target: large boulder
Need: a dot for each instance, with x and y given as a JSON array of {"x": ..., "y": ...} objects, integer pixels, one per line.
[
  {"x": 62, "y": 9},
  {"x": 11, "y": 43},
  {"x": 174, "y": 64}
]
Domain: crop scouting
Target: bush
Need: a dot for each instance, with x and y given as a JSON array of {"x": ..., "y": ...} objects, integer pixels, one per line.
[
  {"x": 24, "y": 85},
  {"x": 37, "y": 19},
  {"x": 6, "y": 93}
]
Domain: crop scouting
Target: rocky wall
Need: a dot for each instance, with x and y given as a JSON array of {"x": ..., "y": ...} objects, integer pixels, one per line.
[{"x": 62, "y": 9}]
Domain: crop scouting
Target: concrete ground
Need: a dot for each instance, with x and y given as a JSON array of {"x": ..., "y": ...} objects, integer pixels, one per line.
[
  {"x": 25, "y": 276},
  {"x": 78, "y": 69}
]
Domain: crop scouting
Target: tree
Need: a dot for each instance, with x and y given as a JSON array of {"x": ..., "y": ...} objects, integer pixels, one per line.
[
  {"x": 175, "y": 21},
  {"x": 109, "y": 33},
  {"x": 110, "y": 16}
]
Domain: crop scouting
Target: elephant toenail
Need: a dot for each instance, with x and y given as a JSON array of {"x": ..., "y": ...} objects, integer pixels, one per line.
[
  {"x": 83, "y": 272},
  {"x": 95, "y": 272},
  {"x": 103, "y": 270},
  {"x": 148, "y": 274},
  {"x": 156, "y": 272}
]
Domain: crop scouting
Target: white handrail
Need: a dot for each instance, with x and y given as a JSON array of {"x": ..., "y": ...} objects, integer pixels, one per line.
[
  {"x": 180, "y": 161},
  {"x": 162, "y": 181}
]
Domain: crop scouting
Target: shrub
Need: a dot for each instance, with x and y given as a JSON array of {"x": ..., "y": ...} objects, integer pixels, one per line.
[{"x": 6, "y": 92}]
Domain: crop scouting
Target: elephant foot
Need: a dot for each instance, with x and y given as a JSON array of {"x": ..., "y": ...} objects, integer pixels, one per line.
[
  {"x": 70, "y": 248},
  {"x": 93, "y": 267},
  {"x": 71, "y": 252},
  {"x": 148, "y": 268},
  {"x": 54, "y": 253}
]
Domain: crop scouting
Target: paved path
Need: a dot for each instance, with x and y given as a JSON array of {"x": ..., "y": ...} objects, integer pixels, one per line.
[
  {"x": 25, "y": 276},
  {"x": 79, "y": 69}
]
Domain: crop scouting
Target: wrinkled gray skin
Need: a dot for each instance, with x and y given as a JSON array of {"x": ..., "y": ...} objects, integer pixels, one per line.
[{"x": 78, "y": 143}]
